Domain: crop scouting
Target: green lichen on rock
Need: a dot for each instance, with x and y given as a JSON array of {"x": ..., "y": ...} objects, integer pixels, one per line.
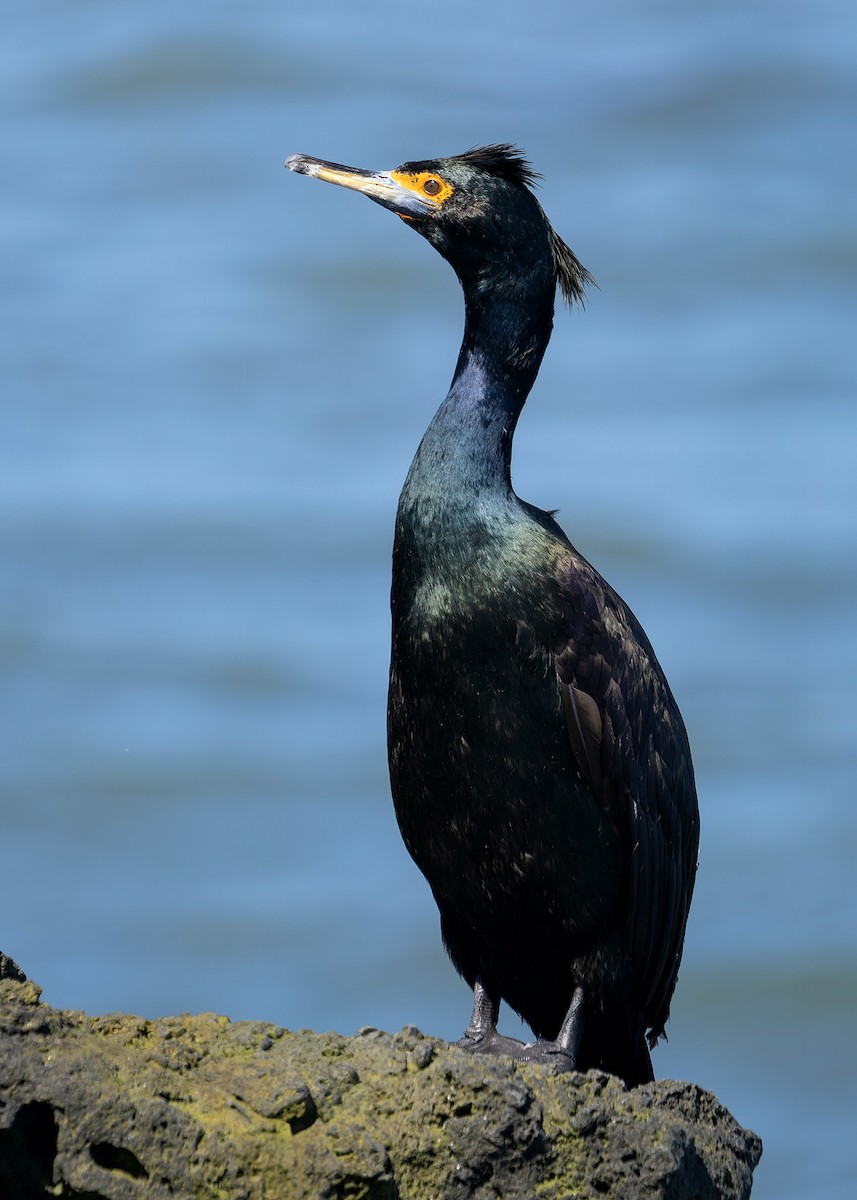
[{"x": 121, "y": 1108}]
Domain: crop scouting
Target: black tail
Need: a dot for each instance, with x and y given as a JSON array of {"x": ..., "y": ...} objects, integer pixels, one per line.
[{"x": 609, "y": 1045}]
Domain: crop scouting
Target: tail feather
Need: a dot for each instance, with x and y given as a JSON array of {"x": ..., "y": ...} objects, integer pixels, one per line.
[{"x": 609, "y": 1045}]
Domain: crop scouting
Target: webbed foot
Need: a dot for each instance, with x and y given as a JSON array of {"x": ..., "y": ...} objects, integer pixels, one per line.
[
  {"x": 490, "y": 1043},
  {"x": 548, "y": 1054}
]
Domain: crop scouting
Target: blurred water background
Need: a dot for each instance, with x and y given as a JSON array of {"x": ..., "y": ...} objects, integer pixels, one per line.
[{"x": 214, "y": 376}]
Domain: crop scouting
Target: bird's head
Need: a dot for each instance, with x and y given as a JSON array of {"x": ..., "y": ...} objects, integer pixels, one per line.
[{"x": 477, "y": 209}]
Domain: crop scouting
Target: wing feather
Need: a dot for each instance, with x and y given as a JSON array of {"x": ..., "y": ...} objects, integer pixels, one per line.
[{"x": 628, "y": 739}]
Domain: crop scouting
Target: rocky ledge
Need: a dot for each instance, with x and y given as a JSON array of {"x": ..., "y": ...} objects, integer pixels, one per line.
[{"x": 121, "y": 1108}]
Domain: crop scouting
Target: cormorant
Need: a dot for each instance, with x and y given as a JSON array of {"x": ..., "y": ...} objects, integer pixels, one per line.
[{"x": 540, "y": 768}]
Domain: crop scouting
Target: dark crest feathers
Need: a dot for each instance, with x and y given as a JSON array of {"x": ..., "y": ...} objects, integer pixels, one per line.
[
  {"x": 571, "y": 275},
  {"x": 503, "y": 160}
]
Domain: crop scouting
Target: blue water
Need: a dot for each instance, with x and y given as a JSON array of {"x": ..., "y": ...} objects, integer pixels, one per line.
[{"x": 214, "y": 375}]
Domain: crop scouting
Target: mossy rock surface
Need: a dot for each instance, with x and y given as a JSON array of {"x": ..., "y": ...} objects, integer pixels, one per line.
[{"x": 121, "y": 1108}]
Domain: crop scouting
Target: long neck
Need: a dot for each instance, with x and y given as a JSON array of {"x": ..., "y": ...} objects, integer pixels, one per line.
[{"x": 467, "y": 448}]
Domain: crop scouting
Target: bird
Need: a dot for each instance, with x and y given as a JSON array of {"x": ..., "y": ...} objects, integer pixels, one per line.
[{"x": 540, "y": 768}]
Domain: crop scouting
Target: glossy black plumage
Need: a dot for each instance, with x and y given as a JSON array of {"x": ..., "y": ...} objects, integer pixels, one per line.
[{"x": 540, "y": 768}]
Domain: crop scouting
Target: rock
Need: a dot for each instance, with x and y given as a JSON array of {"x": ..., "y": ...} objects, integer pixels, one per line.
[
  {"x": 121, "y": 1108},
  {"x": 9, "y": 969}
]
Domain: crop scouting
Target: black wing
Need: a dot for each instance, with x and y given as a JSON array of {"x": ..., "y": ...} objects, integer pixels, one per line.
[{"x": 629, "y": 741}]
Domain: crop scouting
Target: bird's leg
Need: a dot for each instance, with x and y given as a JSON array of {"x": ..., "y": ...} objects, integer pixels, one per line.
[
  {"x": 483, "y": 1019},
  {"x": 568, "y": 1038},
  {"x": 481, "y": 1036},
  {"x": 561, "y": 1054}
]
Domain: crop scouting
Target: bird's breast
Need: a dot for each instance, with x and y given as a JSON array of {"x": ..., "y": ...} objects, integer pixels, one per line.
[{"x": 484, "y": 784}]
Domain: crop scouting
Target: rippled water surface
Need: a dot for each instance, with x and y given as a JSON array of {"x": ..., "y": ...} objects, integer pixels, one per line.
[{"x": 214, "y": 376}]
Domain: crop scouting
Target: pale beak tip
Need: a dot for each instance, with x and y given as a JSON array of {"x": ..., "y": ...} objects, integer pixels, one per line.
[{"x": 297, "y": 162}]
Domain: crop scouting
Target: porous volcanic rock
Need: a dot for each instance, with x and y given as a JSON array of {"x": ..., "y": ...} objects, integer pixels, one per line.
[{"x": 121, "y": 1108}]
